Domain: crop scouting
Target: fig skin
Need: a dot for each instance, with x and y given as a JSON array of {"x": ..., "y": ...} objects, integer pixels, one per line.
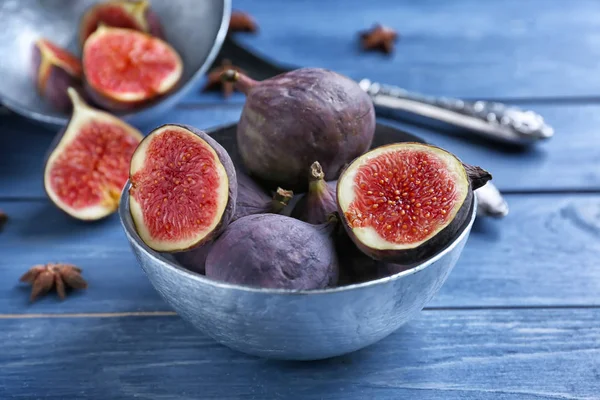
[
  {"x": 251, "y": 199},
  {"x": 476, "y": 178},
  {"x": 80, "y": 109},
  {"x": 142, "y": 18},
  {"x": 53, "y": 85},
  {"x": 320, "y": 200},
  {"x": 229, "y": 210},
  {"x": 110, "y": 101},
  {"x": 294, "y": 118},
  {"x": 275, "y": 251}
]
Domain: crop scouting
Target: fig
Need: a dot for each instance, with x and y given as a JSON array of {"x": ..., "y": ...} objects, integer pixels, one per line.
[
  {"x": 320, "y": 200},
  {"x": 124, "y": 68},
  {"x": 252, "y": 199},
  {"x": 404, "y": 202},
  {"x": 88, "y": 163},
  {"x": 54, "y": 71},
  {"x": 183, "y": 188},
  {"x": 294, "y": 118},
  {"x": 130, "y": 14},
  {"x": 275, "y": 251}
]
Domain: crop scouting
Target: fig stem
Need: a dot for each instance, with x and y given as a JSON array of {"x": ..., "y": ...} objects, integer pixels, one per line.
[
  {"x": 76, "y": 99},
  {"x": 242, "y": 82},
  {"x": 316, "y": 172},
  {"x": 478, "y": 176},
  {"x": 281, "y": 199}
]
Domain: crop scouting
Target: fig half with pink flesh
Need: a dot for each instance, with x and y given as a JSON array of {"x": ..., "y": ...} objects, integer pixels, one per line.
[
  {"x": 320, "y": 200},
  {"x": 130, "y": 14},
  {"x": 124, "y": 68},
  {"x": 54, "y": 71},
  {"x": 404, "y": 202},
  {"x": 183, "y": 188},
  {"x": 88, "y": 164}
]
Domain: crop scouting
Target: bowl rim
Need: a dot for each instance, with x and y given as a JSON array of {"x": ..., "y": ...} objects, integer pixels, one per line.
[
  {"x": 133, "y": 237},
  {"x": 179, "y": 92}
]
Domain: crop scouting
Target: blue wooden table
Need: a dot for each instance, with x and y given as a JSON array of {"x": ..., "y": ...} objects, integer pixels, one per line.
[{"x": 519, "y": 317}]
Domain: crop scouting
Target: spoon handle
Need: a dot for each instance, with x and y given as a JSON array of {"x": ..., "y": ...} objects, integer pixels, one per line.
[{"x": 490, "y": 120}]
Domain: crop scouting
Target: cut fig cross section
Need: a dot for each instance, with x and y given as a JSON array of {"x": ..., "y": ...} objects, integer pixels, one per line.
[
  {"x": 404, "y": 202},
  {"x": 55, "y": 70},
  {"x": 131, "y": 14},
  {"x": 183, "y": 188},
  {"x": 87, "y": 166},
  {"x": 124, "y": 68}
]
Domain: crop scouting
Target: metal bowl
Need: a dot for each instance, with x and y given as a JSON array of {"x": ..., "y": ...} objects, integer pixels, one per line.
[
  {"x": 196, "y": 29},
  {"x": 288, "y": 324}
]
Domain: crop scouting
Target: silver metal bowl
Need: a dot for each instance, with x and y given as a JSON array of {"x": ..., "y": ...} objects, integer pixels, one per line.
[
  {"x": 196, "y": 29},
  {"x": 295, "y": 325}
]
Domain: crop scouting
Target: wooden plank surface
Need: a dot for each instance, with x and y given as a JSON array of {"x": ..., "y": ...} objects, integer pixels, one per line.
[
  {"x": 545, "y": 253},
  {"x": 465, "y": 48},
  {"x": 549, "y": 166},
  {"x": 499, "y": 355}
]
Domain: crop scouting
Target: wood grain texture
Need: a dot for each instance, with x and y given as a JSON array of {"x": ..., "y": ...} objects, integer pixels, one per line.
[
  {"x": 569, "y": 161},
  {"x": 524, "y": 354},
  {"x": 461, "y": 48},
  {"x": 545, "y": 253}
]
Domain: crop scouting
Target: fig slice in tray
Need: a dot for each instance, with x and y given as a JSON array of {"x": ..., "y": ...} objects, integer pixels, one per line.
[
  {"x": 404, "y": 202},
  {"x": 183, "y": 188},
  {"x": 131, "y": 14},
  {"x": 124, "y": 68},
  {"x": 88, "y": 163},
  {"x": 54, "y": 71}
]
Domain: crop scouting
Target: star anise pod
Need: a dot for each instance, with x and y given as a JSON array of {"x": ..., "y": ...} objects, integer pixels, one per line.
[
  {"x": 215, "y": 82},
  {"x": 379, "y": 37},
  {"x": 3, "y": 218},
  {"x": 241, "y": 22},
  {"x": 45, "y": 277}
]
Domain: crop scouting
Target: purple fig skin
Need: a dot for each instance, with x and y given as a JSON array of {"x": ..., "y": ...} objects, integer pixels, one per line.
[
  {"x": 320, "y": 200},
  {"x": 252, "y": 199},
  {"x": 155, "y": 25},
  {"x": 294, "y": 118},
  {"x": 56, "y": 85},
  {"x": 477, "y": 177},
  {"x": 275, "y": 251},
  {"x": 195, "y": 259}
]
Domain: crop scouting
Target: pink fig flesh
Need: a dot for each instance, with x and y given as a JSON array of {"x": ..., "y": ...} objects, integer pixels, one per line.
[
  {"x": 88, "y": 164},
  {"x": 183, "y": 188},
  {"x": 404, "y": 202},
  {"x": 125, "y": 69}
]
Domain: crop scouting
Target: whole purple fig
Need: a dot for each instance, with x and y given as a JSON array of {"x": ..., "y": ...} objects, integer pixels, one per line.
[
  {"x": 293, "y": 118},
  {"x": 252, "y": 199},
  {"x": 320, "y": 200},
  {"x": 275, "y": 251}
]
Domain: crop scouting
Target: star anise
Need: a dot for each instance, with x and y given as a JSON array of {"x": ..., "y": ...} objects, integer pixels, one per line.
[
  {"x": 3, "y": 218},
  {"x": 379, "y": 37},
  {"x": 241, "y": 22},
  {"x": 215, "y": 82},
  {"x": 45, "y": 277}
]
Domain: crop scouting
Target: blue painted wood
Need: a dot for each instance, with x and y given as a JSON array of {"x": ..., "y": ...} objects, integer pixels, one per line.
[
  {"x": 567, "y": 162},
  {"x": 523, "y": 354},
  {"x": 543, "y": 254},
  {"x": 465, "y": 48}
]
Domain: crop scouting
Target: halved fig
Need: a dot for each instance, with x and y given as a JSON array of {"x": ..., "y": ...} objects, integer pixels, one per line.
[
  {"x": 131, "y": 14},
  {"x": 54, "y": 71},
  {"x": 404, "y": 202},
  {"x": 88, "y": 163},
  {"x": 183, "y": 188},
  {"x": 124, "y": 68}
]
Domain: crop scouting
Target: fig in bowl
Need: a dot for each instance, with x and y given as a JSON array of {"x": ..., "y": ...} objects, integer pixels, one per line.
[{"x": 284, "y": 321}]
